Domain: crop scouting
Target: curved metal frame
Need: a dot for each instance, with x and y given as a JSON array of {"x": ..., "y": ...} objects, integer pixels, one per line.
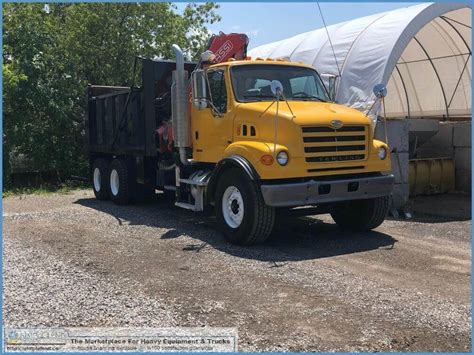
[
  {"x": 436, "y": 73},
  {"x": 405, "y": 89},
  {"x": 459, "y": 80},
  {"x": 445, "y": 19},
  {"x": 430, "y": 59},
  {"x": 448, "y": 21},
  {"x": 409, "y": 34}
]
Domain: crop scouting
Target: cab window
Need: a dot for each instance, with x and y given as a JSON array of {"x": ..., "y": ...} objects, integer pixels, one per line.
[
  {"x": 253, "y": 82},
  {"x": 306, "y": 84},
  {"x": 217, "y": 89}
]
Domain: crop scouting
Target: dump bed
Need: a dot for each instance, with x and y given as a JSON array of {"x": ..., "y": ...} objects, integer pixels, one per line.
[{"x": 123, "y": 120}]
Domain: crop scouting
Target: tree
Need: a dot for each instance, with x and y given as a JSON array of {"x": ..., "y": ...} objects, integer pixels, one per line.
[{"x": 51, "y": 52}]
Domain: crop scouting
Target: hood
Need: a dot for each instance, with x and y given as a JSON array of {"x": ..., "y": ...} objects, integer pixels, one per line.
[{"x": 309, "y": 112}]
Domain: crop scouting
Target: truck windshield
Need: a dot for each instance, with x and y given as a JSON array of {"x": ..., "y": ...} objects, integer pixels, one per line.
[{"x": 252, "y": 83}]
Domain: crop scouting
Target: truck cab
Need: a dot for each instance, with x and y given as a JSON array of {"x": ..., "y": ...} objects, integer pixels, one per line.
[{"x": 318, "y": 137}]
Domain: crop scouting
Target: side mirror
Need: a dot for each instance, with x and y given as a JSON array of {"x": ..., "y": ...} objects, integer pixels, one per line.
[
  {"x": 380, "y": 91},
  {"x": 199, "y": 89},
  {"x": 332, "y": 83}
]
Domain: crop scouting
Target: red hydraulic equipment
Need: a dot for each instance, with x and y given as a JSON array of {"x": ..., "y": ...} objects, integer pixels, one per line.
[{"x": 220, "y": 48}]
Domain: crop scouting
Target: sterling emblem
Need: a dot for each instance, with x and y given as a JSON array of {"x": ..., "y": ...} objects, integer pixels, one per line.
[{"x": 336, "y": 124}]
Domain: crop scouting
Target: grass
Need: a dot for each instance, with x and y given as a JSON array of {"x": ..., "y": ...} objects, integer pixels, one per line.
[{"x": 44, "y": 189}]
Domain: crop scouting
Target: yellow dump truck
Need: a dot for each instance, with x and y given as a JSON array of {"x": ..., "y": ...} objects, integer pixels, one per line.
[{"x": 245, "y": 139}]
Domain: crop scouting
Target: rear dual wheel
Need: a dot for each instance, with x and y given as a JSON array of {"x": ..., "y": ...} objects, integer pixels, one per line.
[
  {"x": 119, "y": 182},
  {"x": 99, "y": 178},
  {"x": 123, "y": 186},
  {"x": 116, "y": 181}
]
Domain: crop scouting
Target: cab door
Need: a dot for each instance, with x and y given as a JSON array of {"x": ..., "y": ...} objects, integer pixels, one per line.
[{"x": 212, "y": 126}]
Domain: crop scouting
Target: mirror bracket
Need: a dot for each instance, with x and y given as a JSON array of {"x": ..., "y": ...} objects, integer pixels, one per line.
[
  {"x": 200, "y": 99},
  {"x": 332, "y": 83}
]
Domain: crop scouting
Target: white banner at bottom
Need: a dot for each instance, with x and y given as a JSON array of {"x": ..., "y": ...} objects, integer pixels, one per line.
[{"x": 205, "y": 339}]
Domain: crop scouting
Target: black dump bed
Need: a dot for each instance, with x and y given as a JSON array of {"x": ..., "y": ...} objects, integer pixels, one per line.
[{"x": 121, "y": 120}]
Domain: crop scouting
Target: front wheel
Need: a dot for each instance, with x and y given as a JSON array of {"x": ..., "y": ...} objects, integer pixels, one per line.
[
  {"x": 361, "y": 215},
  {"x": 241, "y": 213}
]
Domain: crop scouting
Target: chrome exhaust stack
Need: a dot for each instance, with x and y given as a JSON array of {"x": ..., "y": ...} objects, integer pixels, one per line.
[{"x": 179, "y": 106}]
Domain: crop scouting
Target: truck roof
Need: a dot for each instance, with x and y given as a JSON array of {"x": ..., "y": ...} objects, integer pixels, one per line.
[{"x": 263, "y": 61}]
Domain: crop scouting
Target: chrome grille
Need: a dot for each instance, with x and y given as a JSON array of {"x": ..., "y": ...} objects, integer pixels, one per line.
[{"x": 324, "y": 144}]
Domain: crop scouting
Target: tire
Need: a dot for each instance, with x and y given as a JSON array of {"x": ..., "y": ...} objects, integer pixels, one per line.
[
  {"x": 119, "y": 182},
  {"x": 361, "y": 215},
  {"x": 99, "y": 179},
  {"x": 250, "y": 225}
]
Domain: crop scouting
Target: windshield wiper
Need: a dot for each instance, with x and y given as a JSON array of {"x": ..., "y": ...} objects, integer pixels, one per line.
[
  {"x": 256, "y": 97},
  {"x": 262, "y": 96},
  {"x": 309, "y": 97}
]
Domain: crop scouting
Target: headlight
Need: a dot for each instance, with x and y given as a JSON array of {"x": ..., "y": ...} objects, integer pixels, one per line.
[
  {"x": 282, "y": 158},
  {"x": 382, "y": 153}
]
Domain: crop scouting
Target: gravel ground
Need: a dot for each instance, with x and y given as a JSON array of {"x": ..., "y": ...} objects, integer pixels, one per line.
[{"x": 70, "y": 260}]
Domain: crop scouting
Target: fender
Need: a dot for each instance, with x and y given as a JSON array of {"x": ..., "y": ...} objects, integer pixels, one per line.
[{"x": 232, "y": 160}]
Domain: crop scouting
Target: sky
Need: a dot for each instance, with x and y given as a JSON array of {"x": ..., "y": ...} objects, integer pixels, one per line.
[{"x": 268, "y": 22}]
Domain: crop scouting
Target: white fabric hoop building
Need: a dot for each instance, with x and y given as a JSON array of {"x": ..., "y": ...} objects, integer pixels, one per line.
[{"x": 422, "y": 53}]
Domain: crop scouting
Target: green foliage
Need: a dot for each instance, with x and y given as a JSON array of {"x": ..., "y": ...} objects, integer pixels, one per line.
[
  {"x": 51, "y": 52},
  {"x": 62, "y": 189}
]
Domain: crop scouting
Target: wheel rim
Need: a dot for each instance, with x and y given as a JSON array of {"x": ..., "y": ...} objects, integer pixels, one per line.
[
  {"x": 114, "y": 182},
  {"x": 96, "y": 179},
  {"x": 233, "y": 207}
]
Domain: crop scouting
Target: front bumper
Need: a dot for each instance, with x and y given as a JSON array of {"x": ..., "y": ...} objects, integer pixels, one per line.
[{"x": 316, "y": 192}]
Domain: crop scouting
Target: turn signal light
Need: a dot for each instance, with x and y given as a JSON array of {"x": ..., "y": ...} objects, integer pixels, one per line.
[{"x": 266, "y": 159}]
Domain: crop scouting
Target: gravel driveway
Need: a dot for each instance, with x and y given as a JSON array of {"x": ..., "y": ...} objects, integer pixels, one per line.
[{"x": 70, "y": 260}]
